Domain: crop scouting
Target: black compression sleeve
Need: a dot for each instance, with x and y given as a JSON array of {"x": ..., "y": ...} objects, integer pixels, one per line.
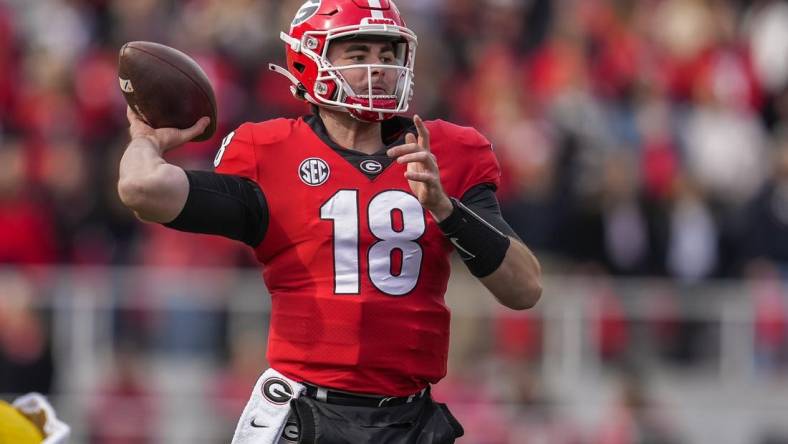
[
  {"x": 481, "y": 246},
  {"x": 230, "y": 206},
  {"x": 481, "y": 199}
]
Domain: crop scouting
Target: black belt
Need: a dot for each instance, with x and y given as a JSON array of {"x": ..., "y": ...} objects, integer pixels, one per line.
[{"x": 360, "y": 400}]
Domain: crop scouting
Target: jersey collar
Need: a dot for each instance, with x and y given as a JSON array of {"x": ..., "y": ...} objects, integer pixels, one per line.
[{"x": 392, "y": 130}]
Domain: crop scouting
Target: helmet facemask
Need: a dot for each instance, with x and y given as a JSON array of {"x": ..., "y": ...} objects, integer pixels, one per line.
[
  {"x": 333, "y": 91},
  {"x": 368, "y": 105}
]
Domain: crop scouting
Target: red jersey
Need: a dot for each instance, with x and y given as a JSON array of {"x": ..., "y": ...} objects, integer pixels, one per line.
[{"x": 356, "y": 267}]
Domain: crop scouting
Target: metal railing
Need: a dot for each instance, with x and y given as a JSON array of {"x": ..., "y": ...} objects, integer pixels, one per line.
[{"x": 699, "y": 351}]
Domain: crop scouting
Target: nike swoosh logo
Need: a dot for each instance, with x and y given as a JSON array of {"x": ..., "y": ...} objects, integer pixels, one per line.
[{"x": 257, "y": 426}]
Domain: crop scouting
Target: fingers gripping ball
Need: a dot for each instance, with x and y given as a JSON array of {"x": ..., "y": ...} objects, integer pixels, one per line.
[{"x": 166, "y": 87}]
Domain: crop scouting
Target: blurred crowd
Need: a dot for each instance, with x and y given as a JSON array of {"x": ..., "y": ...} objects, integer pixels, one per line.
[
  {"x": 636, "y": 138},
  {"x": 640, "y": 137}
]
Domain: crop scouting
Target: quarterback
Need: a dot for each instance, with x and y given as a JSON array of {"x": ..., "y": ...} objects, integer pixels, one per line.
[{"x": 353, "y": 211}]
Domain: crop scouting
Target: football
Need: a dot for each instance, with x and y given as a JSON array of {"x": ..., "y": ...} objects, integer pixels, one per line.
[{"x": 166, "y": 87}]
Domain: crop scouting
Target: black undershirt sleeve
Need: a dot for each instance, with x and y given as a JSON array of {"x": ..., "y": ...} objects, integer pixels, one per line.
[
  {"x": 223, "y": 204},
  {"x": 481, "y": 199}
]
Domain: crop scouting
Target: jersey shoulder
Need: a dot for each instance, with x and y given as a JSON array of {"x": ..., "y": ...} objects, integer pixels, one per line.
[
  {"x": 465, "y": 156},
  {"x": 457, "y": 135},
  {"x": 270, "y": 131},
  {"x": 241, "y": 150}
]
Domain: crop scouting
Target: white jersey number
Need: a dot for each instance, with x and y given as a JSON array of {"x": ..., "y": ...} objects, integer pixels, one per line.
[
  {"x": 219, "y": 154},
  {"x": 342, "y": 209}
]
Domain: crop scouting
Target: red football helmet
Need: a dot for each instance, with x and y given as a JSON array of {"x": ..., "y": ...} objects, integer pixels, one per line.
[{"x": 319, "y": 22}]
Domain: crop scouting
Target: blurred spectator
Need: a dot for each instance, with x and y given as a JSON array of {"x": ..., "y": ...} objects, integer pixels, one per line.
[
  {"x": 533, "y": 415},
  {"x": 692, "y": 250},
  {"x": 25, "y": 355},
  {"x": 611, "y": 336},
  {"x": 767, "y": 26},
  {"x": 140, "y": 20},
  {"x": 635, "y": 418},
  {"x": 473, "y": 401},
  {"x": 231, "y": 386},
  {"x": 770, "y": 317},
  {"x": 666, "y": 328},
  {"x": 124, "y": 410},
  {"x": 519, "y": 337},
  {"x": 94, "y": 74},
  {"x": 725, "y": 145},
  {"x": 186, "y": 326},
  {"x": 26, "y": 232},
  {"x": 241, "y": 28},
  {"x": 8, "y": 63},
  {"x": 59, "y": 28},
  {"x": 766, "y": 218},
  {"x": 625, "y": 225}
]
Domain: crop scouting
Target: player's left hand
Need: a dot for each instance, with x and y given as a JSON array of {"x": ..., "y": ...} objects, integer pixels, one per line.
[{"x": 422, "y": 171}]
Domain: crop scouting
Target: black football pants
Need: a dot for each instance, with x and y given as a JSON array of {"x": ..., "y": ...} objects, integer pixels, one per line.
[{"x": 421, "y": 422}]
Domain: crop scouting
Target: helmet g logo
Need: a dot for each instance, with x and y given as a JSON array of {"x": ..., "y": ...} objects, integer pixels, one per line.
[{"x": 306, "y": 12}]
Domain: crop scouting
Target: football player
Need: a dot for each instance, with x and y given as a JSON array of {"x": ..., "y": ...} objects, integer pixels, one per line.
[{"x": 353, "y": 211}]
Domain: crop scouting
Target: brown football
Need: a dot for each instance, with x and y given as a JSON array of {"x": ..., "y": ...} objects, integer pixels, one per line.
[{"x": 166, "y": 87}]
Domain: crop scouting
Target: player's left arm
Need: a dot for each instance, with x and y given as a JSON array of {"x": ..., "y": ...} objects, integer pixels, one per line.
[
  {"x": 500, "y": 260},
  {"x": 517, "y": 279}
]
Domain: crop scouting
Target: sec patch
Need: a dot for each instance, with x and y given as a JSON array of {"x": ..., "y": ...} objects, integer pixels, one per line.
[{"x": 314, "y": 171}]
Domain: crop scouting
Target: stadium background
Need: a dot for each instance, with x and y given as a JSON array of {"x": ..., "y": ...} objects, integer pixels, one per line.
[{"x": 645, "y": 160}]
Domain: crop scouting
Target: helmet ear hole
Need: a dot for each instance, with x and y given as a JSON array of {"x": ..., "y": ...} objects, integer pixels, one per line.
[
  {"x": 301, "y": 91},
  {"x": 300, "y": 67}
]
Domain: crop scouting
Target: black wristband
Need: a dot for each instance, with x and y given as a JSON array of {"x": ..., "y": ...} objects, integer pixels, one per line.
[{"x": 480, "y": 245}]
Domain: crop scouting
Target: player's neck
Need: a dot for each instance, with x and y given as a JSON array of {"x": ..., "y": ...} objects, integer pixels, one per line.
[{"x": 350, "y": 133}]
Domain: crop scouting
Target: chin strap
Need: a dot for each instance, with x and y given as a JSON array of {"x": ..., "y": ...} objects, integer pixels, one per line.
[
  {"x": 294, "y": 88},
  {"x": 364, "y": 116},
  {"x": 279, "y": 70}
]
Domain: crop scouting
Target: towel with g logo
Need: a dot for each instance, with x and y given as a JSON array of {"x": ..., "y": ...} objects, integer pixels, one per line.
[{"x": 265, "y": 416}]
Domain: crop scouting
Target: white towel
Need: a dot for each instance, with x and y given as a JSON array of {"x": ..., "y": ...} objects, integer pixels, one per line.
[{"x": 265, "y": 415}]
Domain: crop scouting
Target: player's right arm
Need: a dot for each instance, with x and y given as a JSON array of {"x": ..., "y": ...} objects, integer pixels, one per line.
[
  {"x": 155, "y": 190},
  {"x": 227, "y": 202}
]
